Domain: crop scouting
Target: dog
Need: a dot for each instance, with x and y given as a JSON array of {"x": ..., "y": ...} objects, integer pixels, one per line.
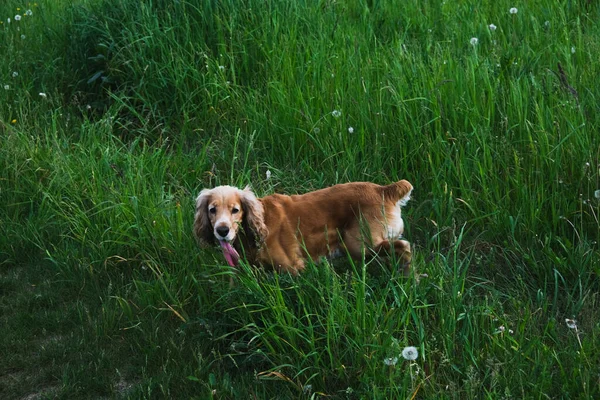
[{"x": 285, "y": 231}]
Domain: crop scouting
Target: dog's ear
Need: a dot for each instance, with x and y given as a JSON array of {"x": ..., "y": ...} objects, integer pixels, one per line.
[
  {"x": 254, "y": 214},
  {"x": 203, "y": 230}
]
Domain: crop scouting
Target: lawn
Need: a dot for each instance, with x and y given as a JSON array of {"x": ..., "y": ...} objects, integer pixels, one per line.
[{"x": 114, "y": 115}]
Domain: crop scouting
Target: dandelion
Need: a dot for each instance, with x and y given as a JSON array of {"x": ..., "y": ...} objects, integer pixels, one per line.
[
  {"x": 23, "y": 37},
  {"x": 513, "y": 10},
  {"x": 29, "y": 13},
  {"x": 268, "y": 174},
  {"x": 15, "y": 74},
  {"x": 572, "y": 49},
  {"x": 6, "y": 87},
  {"x": 43, "y": 95},
  {"x": 17, "y": 17},
  {"x": 410, "y": 353},
  {"x": 390, "y": 361},
  {"x": 547, "y": 24},
  {"x": 336, "y": 113},
  {"x": 474, "y": 41},
  {"x": 222, "y": 67},
  {"x": 597, "y": 194},
  {"x": 492, "y": 27},
  {"x": 14, "y": 121},
  {"x": 8, "y": 20},
  {"x": 571, "y": 323},
  {"x": 350, "y": 130}
]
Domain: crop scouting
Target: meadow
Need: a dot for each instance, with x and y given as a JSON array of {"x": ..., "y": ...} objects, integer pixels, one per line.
[{"x": 114, "y": 115}]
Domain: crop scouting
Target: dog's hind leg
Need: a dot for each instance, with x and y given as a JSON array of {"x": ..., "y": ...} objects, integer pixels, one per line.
[{"x": 401, "y": 249}]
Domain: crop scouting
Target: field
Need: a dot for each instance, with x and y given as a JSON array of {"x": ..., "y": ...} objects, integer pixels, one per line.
[{"x": 115, "y": 114}]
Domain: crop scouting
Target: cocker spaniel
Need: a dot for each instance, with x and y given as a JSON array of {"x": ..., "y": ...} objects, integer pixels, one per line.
[{"x": 285, "y": 231}]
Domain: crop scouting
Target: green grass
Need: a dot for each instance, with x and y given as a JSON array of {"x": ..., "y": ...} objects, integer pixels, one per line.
[{"x": 104, "y": 292}]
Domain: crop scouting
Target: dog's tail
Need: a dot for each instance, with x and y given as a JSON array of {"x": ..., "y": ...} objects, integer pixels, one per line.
[{"x": 399, "y": 191}]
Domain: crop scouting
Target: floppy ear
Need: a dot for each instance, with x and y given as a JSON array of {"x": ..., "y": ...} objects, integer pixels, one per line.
[
  {"x": 254, "y": 214},
  {"x": 203, "y": 230}
]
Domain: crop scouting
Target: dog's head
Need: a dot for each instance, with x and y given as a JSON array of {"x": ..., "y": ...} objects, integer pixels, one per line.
[{"x": 220, "y": 212}]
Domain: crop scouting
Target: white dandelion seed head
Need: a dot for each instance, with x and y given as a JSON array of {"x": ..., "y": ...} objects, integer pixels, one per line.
[
  {"x": 474, "y": 41},
  {"x": 15, "y": 74},
  {"x": 8, "y": 20},
  {"x": 350, "y": 130},
  {"x": 268, "y": 174},
  {"x": 572, "y": 49},
  {"x": 597, "y": 194},
  {"x": 6, "y": 87},
  {"x": 511, "y": 331},
  {"x": 17, "y": 17},
  {"x": 222, "y": 67},
  {"x": 23, "y": 37},
  {"x": 547, "y": 24},
  {"x": 336, "y": 113},
  {"x": 29, "y": 13},
  {"x": 492, "y": 27},
  {"x": 410, "y": 353},
  {"x": 390, "y": 361},
  {"x": 88, "y": 107},
  {"x": 513, "y": 10},
  {"x": 43, "y": 95},
  {"x": 571, "y": 323}
]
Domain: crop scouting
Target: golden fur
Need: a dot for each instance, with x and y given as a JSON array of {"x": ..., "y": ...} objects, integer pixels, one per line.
[{"x": 284, "y": 231}]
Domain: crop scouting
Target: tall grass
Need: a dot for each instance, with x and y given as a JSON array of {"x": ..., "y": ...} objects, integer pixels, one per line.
[{"x": 120, "y": 112}]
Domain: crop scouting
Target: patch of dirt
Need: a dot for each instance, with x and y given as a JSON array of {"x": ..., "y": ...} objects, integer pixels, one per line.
[{"x": 47, "y": 392}]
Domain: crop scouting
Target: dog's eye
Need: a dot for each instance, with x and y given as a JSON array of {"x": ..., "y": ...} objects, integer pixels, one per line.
[
  {"x": 235, "y": 210},
  {"x": 212, "y": 210}
]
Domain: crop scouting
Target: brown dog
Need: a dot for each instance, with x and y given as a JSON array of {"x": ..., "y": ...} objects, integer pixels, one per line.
[{"x": 284, "y": 231}]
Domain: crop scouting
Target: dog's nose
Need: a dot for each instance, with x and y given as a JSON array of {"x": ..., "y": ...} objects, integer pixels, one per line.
[{"x": 222, "y": 231}]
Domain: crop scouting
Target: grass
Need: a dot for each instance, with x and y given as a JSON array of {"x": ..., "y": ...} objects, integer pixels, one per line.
[{"x": 105, "y": 294}]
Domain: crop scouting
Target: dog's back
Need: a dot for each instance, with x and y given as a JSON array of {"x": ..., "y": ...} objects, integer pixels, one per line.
[{"x": 328, "y": 220}]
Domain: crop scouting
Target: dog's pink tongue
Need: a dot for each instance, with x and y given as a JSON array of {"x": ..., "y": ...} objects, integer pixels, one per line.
[{"x": 230, "y": 254}]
